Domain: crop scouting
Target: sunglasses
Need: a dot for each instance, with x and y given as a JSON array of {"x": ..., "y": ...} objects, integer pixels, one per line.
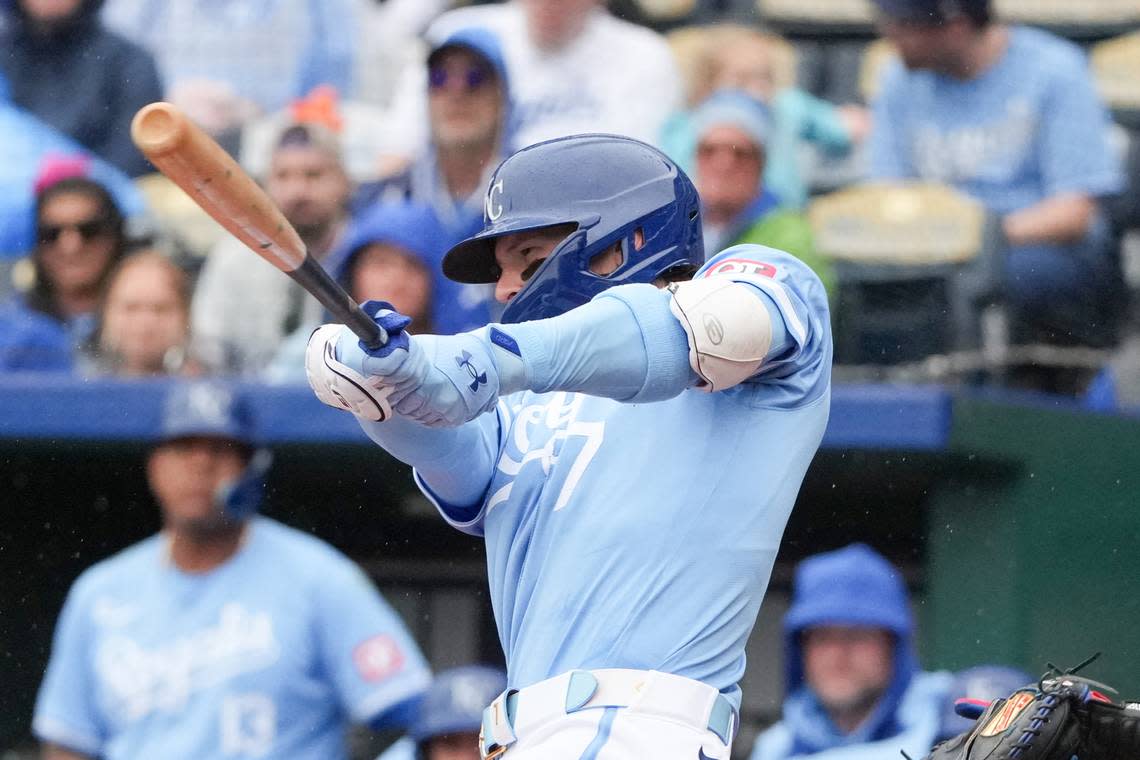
[
  {"x": 89, "y": 229},
  {"x": 471, "y": 78}
]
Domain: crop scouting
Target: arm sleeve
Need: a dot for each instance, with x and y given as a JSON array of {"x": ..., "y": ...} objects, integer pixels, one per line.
[
  {"x": 374, "y": 664},
  {"x": 888, "y": 156},
  {"x": 66, "y": 713},
  {"x": 456, "y": 491},
  {"x": 1076, "y": 155}
]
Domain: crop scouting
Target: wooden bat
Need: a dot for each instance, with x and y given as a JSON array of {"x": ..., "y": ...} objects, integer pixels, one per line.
[{"x": 197, "y": 164}]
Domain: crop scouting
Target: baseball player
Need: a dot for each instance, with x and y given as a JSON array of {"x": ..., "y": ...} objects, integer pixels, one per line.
[
  {"x": 629, "y": 441},
  {"x": 226, "y": 635}
]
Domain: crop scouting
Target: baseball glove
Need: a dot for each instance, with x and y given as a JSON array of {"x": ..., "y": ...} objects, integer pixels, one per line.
[{"x": 1062, "y": 717}]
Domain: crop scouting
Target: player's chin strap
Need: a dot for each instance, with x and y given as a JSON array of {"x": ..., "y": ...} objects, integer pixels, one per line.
[{"x": 240, "y": 498}]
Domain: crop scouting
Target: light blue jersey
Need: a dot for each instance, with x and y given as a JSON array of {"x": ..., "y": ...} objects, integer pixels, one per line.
[
  {"x": 624, "y": 535},
  {"x": 271, "y": 654},
  {"x": 1029, "y": 127}
]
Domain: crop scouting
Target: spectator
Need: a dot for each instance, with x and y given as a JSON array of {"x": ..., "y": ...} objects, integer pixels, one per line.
[
  {"x": 227, "y": 634},
  {"x": 573, "y": 68},
  {"x": 450, "y": 716},
  {"x": 468, "y": 107},
  {"x": 1010, "y": 116},
  {"x": 26, "y": 145},
  {"x": 144, "y": 323},
  {"x": 984, "y": 682},
  {"x": 740, "y": 58},
  {"x": 226, "y": 62},
  {"x": 390, "y": 254},
  {"x": 243, "y": 306},
  {"x": 80, "y": 236},
  {"x": 732, "y": 131},
  {"x": 65, "y": 68},
  {"x": 854, "y": 688}
]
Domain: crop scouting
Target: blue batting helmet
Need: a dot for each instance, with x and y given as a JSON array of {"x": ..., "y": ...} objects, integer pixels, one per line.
[
  {"x": 455, "y": 700},
  {"x": 609, "y": 187}
]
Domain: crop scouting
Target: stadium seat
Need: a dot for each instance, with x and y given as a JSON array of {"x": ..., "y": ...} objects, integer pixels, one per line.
[
  {"x": 914, "y": 264},
  {"x": 690, "y": 42},
  {"x": 1116, "y": 67},
  {"x": 875, "y": 58},
  {"x": 1081, "y": 19},
  {"x": 659, "y": 12},
  {"x": 818, "y": 17}
]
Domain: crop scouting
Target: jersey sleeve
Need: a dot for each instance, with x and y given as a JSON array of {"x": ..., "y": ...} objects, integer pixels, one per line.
[
  {"x": 66, "y": 712},
  {"x": 375, "y": 666},
  {"x": 1076, "y": 154},
  {"x": 801, "y": 373}
]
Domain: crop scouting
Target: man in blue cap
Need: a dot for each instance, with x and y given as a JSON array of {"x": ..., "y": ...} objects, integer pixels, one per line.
[
  {"x": 1010, "y": 116},
  {"x": 227, "y": 634},
  {"x": 854, "y": 687}
]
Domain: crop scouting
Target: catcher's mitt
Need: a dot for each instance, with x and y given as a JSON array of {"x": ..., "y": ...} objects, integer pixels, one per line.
[{"x": 1063, "y": 717}]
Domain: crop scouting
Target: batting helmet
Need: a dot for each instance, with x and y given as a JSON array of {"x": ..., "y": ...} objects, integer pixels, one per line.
[
  {"x": 454, "y": 702},
  {"x": 609, "y": 187}
]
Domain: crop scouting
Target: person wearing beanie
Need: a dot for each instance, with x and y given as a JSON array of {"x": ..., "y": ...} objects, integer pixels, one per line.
[
  {"x": 732, "y": 130},
  {"x": 854, "y": 689}
]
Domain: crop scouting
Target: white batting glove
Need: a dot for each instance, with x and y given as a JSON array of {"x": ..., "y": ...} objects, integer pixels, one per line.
[{"x": 339, "y": 385}]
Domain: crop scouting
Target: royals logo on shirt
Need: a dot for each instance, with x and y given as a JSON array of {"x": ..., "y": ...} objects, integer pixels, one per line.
[{"x": 378, "y": 658}]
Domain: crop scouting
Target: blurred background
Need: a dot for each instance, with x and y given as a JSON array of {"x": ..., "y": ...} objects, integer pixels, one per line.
[{"x": 983, "y": 269}]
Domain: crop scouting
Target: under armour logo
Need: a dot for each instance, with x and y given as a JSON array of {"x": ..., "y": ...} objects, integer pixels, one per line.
[{"x": 477, "y": 378}]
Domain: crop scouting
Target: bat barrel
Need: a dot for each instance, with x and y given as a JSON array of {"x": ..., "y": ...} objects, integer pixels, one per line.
[{"x": 158, "y": 129}]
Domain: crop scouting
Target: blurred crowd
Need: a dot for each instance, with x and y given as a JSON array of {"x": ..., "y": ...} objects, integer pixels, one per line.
[{"x": 374, "y": 126}]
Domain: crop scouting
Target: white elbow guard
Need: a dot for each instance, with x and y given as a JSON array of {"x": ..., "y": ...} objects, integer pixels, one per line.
[{"x": 729, "y": 329}]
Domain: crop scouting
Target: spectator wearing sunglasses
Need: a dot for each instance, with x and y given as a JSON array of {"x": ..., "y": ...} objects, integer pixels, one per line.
[
  {"x": 469, "y": 108},
  {"x": 732, "y": 130},
  {"x": 80, "y": 235}
]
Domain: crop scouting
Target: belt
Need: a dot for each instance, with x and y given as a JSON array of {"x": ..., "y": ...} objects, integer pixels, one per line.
[{"x": 649, "y": 692}]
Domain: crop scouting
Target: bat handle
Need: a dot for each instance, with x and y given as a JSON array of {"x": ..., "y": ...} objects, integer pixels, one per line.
[
  {"x": 313, "y": 277},
  {"x": 371, "y": 334}
]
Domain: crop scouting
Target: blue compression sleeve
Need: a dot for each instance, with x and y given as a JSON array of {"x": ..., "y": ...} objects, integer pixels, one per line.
[
  {"x": 625, "y": 345},
  {"x": 434, "y": 452}
]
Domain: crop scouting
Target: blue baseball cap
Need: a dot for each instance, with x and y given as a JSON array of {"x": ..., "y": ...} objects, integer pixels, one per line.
[
  {"x": 480, "y": 41},
  {"x": 930, "y": 11},
  {"x": 207, "y": 409},
  {"x": 455, "y": 700}
]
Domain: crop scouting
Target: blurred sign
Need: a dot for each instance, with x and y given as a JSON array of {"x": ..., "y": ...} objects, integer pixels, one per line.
[
  {"x": 1069, "y": 12},
  {"x": 821, "y": 11}
]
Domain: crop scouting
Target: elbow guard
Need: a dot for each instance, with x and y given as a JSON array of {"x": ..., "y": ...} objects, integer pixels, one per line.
[{"x": 729, "y": 330}]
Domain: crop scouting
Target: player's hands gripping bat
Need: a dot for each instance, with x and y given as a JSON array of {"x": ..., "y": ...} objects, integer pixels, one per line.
[
  {"x": 197, "y": 164},
  {"x": 435, "y": 380}
]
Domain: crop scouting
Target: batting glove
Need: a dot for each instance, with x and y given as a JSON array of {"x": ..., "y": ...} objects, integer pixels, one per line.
[{"x": 439, "y": 381}]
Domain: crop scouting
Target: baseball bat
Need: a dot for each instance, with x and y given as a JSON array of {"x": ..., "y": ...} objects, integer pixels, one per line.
[{"x": 197, "y": 164}]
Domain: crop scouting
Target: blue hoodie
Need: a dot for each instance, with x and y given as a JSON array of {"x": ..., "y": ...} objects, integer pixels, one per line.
[
  {"x": 854, "y": 586},
  {"x": 411, "y": 226}
]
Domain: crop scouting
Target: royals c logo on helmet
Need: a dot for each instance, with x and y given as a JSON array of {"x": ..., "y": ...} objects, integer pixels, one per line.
[{"x": 494, "y": 205}]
